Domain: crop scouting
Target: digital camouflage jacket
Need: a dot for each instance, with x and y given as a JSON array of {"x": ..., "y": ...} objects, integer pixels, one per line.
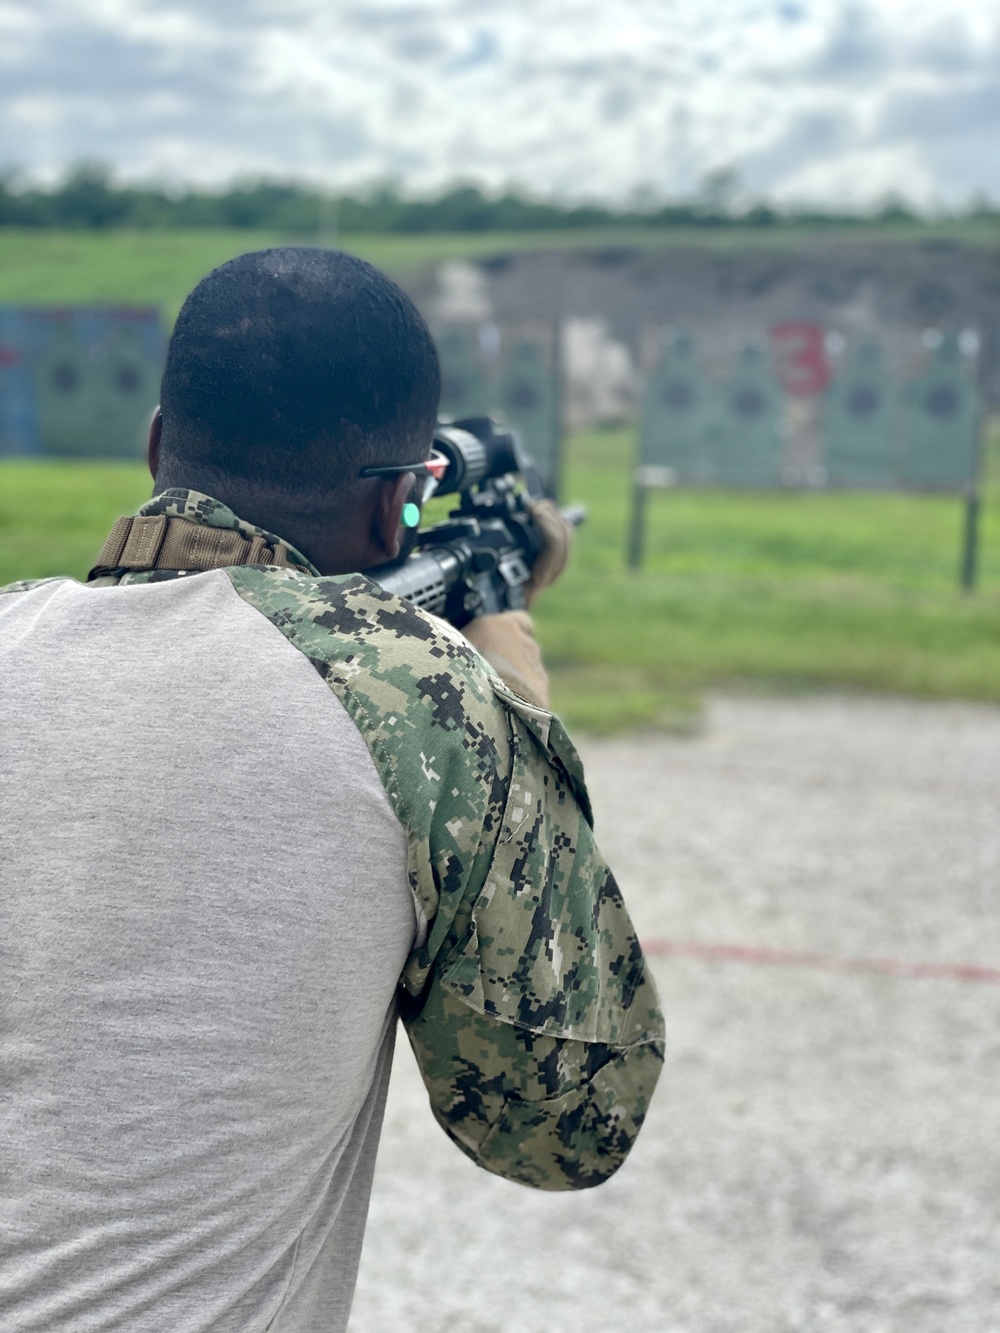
[{"x": 527, "y": 1000}]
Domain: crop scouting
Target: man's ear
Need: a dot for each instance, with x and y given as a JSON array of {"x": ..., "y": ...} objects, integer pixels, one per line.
[
  {"x": 388, "y": 517},
  {"x": 153, "y": 443}
]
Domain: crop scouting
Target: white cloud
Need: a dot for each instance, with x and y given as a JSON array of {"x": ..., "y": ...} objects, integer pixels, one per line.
[{"x": 819, "y": 100}]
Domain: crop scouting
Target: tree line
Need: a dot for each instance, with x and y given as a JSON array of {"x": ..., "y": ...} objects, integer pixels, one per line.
[{"x": 89, "y": 198}]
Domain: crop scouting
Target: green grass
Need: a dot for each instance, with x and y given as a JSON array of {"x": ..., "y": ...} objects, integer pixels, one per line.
[
  {"x": 768, "y": 592},
  {"x": 161, "y": 267},
  {"x": 779, "y": 592},
  {"x": 54, "y": 515}
]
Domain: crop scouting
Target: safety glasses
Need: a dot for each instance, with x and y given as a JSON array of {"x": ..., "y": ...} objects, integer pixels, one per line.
[{"x": 431, "y": 469}]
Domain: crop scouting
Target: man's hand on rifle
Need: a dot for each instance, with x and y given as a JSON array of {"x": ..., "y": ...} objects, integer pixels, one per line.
[
  {"x": 507, "y": 640},
  {"x": 557, "y": 535}
]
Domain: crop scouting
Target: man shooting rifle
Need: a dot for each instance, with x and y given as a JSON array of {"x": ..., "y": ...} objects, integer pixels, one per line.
[{"x": 253, "y": 805}]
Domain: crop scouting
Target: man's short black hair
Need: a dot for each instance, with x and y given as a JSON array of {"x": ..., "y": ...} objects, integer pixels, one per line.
[{"x": 290, "y": 369}]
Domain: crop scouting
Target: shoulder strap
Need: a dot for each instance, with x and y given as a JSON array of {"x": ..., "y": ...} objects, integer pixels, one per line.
[{"x": 159, "y": 542}]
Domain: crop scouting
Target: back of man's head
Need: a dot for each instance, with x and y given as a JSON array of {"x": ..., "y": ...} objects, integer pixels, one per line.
[{"x": 288, "y": 371}]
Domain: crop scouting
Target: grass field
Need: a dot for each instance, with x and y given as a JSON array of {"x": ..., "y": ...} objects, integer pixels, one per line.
[
  {"x": 770, "y": 592},
  {"x": 767, "y": 592},
  {"x": 161, "y": 267}
]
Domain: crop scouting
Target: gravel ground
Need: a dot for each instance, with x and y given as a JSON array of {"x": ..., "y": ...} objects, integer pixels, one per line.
[{"x": 824, "y": 1149}]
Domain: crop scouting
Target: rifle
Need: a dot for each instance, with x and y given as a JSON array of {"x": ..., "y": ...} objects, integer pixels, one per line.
[{"x": 478, "y": 560}]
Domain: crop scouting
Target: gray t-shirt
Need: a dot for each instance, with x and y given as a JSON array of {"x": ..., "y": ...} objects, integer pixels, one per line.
[{"x": 204, "y": 911}]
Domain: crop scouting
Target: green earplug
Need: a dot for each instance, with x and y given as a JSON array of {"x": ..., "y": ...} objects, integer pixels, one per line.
[{"x": 411, "y": 515}]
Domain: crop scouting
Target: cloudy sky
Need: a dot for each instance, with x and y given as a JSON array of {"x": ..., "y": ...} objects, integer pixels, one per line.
[{"x": 832, "y": 101}]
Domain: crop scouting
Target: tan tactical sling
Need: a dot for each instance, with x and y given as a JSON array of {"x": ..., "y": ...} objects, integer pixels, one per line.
[{"x": 158, "y": 542}]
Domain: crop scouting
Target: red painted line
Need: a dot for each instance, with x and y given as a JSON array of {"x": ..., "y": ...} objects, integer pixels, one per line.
[{"x": 824, "y": 962}]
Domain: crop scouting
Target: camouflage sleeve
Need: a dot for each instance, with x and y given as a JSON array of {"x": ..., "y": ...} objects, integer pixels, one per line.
[
  {"x": 539, "y": 1036},
  {"x": 527, "y": 1001}
]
